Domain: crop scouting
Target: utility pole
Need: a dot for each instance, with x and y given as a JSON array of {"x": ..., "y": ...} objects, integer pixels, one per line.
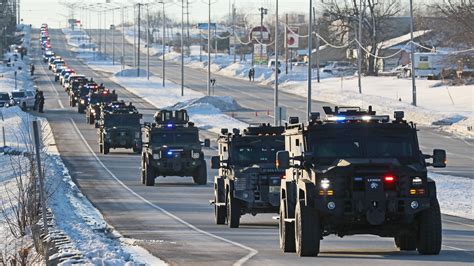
[
  {"x": 105, "y": 33},
  {"x": 187, "y": 24},
  {"x": 40, "y": 176},
  {"x": 209, "y": 50},
  {"x": 163, "y": 43},
  {"x": 99, "y": 31},
  {"x": 113, "y": 37},
  {"x": 147, "y": 43},
  {"x": 138, "y": 46},
  {"x": 182, "y": 47},
  {"x": 317, "y": 44},
  {"x": 134, "y": 36},
  {"x": 310, "y": 48},
  {"x": 359, "y": 48},
  {"x": 123, "y": 38},
  {"x": 263, "y": 11},
  {"x": 233, "y": 32},
  {"x": 286, "y": 44},
  {"x": 413, "y": 84},
  {"x": 277, "y": 68}
]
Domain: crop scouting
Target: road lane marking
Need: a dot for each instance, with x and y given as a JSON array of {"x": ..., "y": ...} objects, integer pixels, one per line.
[
  {"x": 60, "y": 104},
  {"x": 241, "y": 261},
  {"x": 455, "y": 248}
]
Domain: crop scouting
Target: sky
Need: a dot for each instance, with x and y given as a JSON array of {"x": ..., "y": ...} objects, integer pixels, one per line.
[{"x": 56, "y": 12}]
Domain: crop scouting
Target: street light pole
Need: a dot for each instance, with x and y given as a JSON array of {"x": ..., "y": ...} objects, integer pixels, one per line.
[
  {"x": 163, "y": 43},
  {"x": 113, "y": 37},
  {"x": 413, "y": 84},
  {"x": 263, "y": 11},
  {"x": 138, "y": 40},
  {"x": 359, "y": 48},
  {"x": 310, "y": 48},
  {"x": 209, "y": 51},
  {"x": 182, "y": 47},
  {"x": 105, "y": 33},
  {"x": 147, "y": 42},
  {"x": 277, "y": 117},
  {"x": 123, "y": 38}
]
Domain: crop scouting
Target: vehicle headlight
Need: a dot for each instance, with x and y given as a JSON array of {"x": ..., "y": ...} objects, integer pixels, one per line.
[
  {"x": 82, "y": 101},
  {"x": 195, "y": 155},
  {"x": 325, "y": 183},
  {"x": 75, "y": 98},
  {"x": 156, "y": 156},
  {"x": 417, "y": 181},
  {"x": 93, "y": 111}
]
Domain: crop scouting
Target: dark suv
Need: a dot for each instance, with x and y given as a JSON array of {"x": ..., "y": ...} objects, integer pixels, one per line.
[
  {"x": 357, "y": 173},
  {"x": 248, "y": 181}
]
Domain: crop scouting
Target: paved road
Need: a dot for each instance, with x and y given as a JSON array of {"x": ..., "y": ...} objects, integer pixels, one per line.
[
  {"x": 174, "y": 221},
  {"x": 259, "y": 98}
]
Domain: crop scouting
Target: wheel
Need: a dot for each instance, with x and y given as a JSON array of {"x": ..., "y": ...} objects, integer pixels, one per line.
[
  {"x": 23, "y": 106},
  {"x": 200, "y": 177},
  {"x": 80, "y": 109},
  {"x": 429, "y": 230},
  {"x": 142, "y": 171},
  {"x": 286, "y": 230},
  {"x": 91, "y": 119},
  {"x": 233, "y": 211},
  {"x": 219, "y": 213},
  {"x": 405, "y": 242},
  {"x": 307, "y": 231},
  {"x": 101, "y": 148},
  {"x": 106, "y": 148},
  {"x": 149, "y": 175}
]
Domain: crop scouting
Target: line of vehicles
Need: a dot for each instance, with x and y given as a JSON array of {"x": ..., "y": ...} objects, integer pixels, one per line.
[{"x": 349, "y": 172}]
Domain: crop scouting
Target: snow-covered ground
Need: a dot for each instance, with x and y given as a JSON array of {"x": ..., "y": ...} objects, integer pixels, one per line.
[
  {"x": 448, "y": 107},
  {"x": 89, "y": 237}
]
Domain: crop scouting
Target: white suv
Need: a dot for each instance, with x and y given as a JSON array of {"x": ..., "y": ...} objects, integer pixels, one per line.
[{"x": 24, "y": 99}]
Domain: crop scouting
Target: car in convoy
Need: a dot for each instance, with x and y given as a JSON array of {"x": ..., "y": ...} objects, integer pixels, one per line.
[
  {"x": 95, "y": 100},
  {"x": 59, "y": 76},
  {"x": 47, "y": 55},
  {"x": 119, "y": 127},
  {"x": 24, "y": 99},
  {"x": 356, "y": 172},
  {"x": 5, "y": 99},
  {"x": 53, "y": 61},
  {"x": 171, "y": 147},
  {"x": 81, "y": 97},
  {"x": 73, "y": 78},
  {"x": 57, "y": 64},
  {"x": 248, "y": 181}
]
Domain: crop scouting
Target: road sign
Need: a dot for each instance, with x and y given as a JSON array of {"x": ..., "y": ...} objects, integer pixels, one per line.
[
  {"x": 292, "y": 37},
  {"x": 203, "y": 26}
]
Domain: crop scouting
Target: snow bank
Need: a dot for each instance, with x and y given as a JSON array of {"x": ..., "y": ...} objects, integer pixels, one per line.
[{"x": 131, "y": 73}]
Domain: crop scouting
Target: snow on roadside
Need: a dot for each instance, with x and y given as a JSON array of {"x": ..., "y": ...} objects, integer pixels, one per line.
[
  {"x": 73, "y": 214},
  {"x": 205, "y": 111}
]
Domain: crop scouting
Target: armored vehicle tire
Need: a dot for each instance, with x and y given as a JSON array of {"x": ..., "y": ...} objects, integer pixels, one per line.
[
  {"x": 72, "y": 102},
  {"x": 405, "y": 242},
  {"x": 101, "y": 148},
  {"x": 80, "y": 110},
  {"x": 106, "y": 148},
  {"x": 287, "y": 231},
  {"x": 149, "y": 175},
  {"x": 142, "y": 170},
  {"x": 91, "y": 119},
  {"x": 219, "y": 213},
  {"x": 200, "y": 177},
  {"x": 307, "y": 231},
  {"x": 429, "y": 230},
  {"x": 233, "y": 211},
  {"x": 136, "y": 150}
]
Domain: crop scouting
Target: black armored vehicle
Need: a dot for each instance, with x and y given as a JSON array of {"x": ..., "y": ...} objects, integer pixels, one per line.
[
  {"x": 356, "y": 172},
  {"x": 119, "y": 127},
  {"x": 171, "y": 147},
  {"x": 247, "y": 181},
  {"x": 94, "y": 100}
]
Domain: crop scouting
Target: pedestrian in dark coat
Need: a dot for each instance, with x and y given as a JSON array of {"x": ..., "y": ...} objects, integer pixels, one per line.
[
  {"x": 32, "y": 69},
  {"x": 41, "y": 102}
]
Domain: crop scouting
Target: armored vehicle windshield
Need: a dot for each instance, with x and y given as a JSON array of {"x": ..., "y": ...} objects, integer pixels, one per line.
[
  {"x": 174, "y": 137},
  {"x": 252, "y": 150}
]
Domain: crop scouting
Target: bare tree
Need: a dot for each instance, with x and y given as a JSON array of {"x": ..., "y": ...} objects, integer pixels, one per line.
[
  {"x": 344, "y": 16},
  {"x": 458, "y": 27}
]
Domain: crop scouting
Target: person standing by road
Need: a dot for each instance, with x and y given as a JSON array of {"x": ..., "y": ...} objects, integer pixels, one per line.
[
  {"x": 40, "y": 102},
  {"x": 32, "y": 69}
]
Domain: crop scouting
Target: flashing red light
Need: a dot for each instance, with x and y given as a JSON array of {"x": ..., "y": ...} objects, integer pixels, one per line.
[
  {"x": 389, "y": 179},
  {"x": 106, "y": 92}
]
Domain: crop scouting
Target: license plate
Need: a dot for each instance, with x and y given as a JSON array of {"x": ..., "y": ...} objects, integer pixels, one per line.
[{"x": 274, "y": 189}]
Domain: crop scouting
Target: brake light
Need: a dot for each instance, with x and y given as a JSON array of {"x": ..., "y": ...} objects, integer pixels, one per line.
[{"x": 389, "y": 179}]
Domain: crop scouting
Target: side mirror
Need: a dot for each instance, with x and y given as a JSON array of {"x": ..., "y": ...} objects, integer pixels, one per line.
[
  {"x": 96, "y": 124},
  {"x": 215, "y": 162},
  {"x": 283, "y": 160},
  {"x": 207, "y": 143},
  {"x": 439, "y": 158}
]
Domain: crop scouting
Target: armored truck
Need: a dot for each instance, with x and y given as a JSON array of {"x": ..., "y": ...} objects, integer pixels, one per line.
[
  {"x": 94, "y": 100},
  {"x": 356, "y": 172},
  {"x": 248, "y": 181},
  {"x": 119, "y": 127},
  {"x": 171, "y": 147}
]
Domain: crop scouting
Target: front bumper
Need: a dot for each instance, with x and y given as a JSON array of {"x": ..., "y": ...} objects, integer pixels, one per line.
[{"x": 177, "y": 166}]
